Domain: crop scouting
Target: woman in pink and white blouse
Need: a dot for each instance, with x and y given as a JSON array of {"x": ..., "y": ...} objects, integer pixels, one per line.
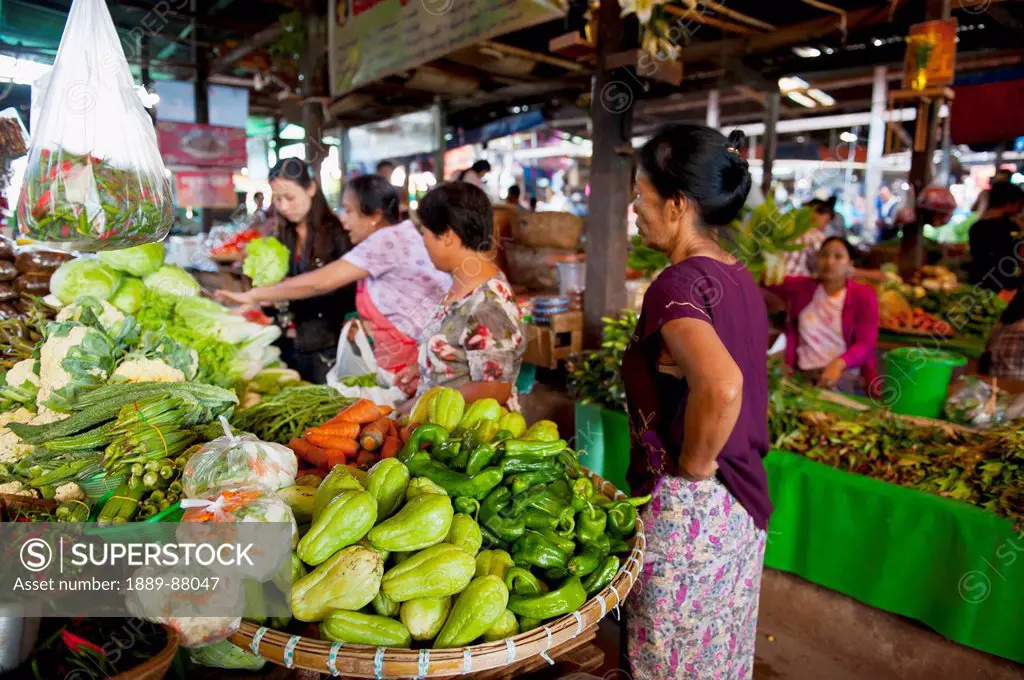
[{"x": 832, "y": 322}]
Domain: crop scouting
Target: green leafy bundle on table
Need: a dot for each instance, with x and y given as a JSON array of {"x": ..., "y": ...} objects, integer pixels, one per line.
[
  {"x": 982, "y": 468},
  {"x": 765, "y": 234},
  {"x": 596, "y": 376}
]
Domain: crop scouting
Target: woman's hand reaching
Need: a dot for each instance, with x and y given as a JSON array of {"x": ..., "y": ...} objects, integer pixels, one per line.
[
  {"x": 228, "y": 297},
  {"x": 831, "y": 374},
  {"x": 408, "y": 379}
]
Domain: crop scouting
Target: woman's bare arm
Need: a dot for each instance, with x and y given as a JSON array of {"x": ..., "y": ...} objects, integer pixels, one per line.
[
  {"x": 716, "y": 393},
  {"x": 327, "y": 279}
]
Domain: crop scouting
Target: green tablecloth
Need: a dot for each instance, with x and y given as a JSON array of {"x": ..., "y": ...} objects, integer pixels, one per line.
[
  {"x": 970, "y": 346},
  {"x": 957, "y": 568}
]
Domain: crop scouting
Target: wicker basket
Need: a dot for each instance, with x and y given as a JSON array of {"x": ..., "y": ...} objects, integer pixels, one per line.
[
  {"x": 360, "y": 661},
  {"x": 155, "y": 668}
]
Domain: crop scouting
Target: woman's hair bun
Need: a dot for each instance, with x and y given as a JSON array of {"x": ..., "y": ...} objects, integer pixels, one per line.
[
  {"x": 737, "y": 140},
  {"x": 701, "y": 164}
]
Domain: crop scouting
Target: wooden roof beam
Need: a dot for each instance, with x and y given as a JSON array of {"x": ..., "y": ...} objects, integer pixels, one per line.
[
  {"x": 535, "y": 56},
  {"x": 702, "y": 16},
  {"x": 784, "y": 37},
  {"x": 246, "y": 47}
]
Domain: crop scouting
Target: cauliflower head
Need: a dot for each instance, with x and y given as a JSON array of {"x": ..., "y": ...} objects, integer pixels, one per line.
[
  {"x": 12, "y": 449},
  {"x": 108, "y": 315},
  {"x": 147, "y": 370},
  {"x": 23, "y": 372}
]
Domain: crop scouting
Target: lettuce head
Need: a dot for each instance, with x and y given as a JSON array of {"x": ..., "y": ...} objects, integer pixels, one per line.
[
  {"x": 84, "y": 277},
  {"x": 138, "y": 261},
  {"x": 172, "y": 281}
]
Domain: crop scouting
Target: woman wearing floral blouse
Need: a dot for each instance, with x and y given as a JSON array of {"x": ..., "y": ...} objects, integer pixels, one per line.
[{"x": 475, "y": 340}]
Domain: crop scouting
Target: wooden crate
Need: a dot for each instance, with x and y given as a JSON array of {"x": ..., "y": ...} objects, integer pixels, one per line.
[{"x": 548, "y": 345}]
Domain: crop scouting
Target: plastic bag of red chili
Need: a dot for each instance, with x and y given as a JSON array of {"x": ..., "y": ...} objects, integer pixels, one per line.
[{"x": 94, "y": 180}]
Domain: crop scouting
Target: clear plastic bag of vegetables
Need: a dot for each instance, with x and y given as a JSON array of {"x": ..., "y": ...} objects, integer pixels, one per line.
[
  {"x": 272, "y": 556},
  {"x": 94, "y": 180},
  {"x": 237, "y": 462}
]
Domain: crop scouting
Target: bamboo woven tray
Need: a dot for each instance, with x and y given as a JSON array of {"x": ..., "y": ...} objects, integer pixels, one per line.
[{"x": 361, "y": 661}]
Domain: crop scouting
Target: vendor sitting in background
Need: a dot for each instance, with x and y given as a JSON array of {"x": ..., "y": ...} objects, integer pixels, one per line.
[
  {"x": 398, "y": 288},
  {"x": 476, "y": 340},
  {"x": 832, "y": 322},
  {"x": 994, "y": 264}
]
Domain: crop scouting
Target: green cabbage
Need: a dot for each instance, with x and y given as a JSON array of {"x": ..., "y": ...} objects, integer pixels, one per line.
[
  {"x": 85, "y": 277},
  {"x": 138, "y": 261},
  {"x": 172, "y": 281},
  {"x": 128, "y": 297},
  {"x": 266, "y": 261}
]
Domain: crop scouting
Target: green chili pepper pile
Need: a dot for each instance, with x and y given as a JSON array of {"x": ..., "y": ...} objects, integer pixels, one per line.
[
  {"x": 86, "y": 201},
  {"x": 984, "y": 468},
  {"x": 483, "y": 529}
]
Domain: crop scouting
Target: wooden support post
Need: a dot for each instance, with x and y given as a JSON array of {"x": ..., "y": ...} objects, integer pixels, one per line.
[
  {"x": 440, "y": 121},
  {"x": 923, "y": 158},
  {"x": 277, "y": 140},
  {"x": 714, "y": 101},
  {"x": 771, "y": 139},
  {"x": 202, "y": 57},
  {"x": 314, "y": 83},
  {"x": 876, "y": 148},
  {"x": 611, "y": 112}
]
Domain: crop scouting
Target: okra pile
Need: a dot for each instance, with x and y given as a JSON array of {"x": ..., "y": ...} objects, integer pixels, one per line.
[
  {"x": 138, "y": 433},
  {"x": 479, "y": 529}
]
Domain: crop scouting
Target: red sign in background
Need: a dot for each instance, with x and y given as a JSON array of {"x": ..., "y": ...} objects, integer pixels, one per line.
[
  {"x": 206, "y": 145},
  {"x": 205, "y": 188}
]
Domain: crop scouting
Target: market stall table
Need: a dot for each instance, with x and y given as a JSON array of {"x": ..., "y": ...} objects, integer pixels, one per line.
[
  {"x": 970, "y": 346},
  {"x": 950, "y": 565}
]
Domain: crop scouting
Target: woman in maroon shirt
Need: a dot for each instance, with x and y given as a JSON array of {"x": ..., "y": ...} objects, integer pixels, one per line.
[{"x": 697, "y": 388}]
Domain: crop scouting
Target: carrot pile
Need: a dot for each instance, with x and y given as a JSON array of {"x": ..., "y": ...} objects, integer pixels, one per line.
[{"x": 361, "y": 435}]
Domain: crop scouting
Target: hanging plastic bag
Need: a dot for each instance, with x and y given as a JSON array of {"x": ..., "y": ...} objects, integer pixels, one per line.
[
  {"x": 94, "y": 179},
  {"x": 355, "y": 360}
]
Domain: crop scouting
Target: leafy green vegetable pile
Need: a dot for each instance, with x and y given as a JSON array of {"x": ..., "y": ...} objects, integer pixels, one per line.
[
  {"x": 985, "y": 468},
  {"x": 645, "y": 260},
  {"x": 767, "y": 233},
  {"x": 596, "y": 377}
]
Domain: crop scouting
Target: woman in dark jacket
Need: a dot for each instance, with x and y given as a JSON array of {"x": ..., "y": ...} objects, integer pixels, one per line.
[{"x": 315, "y": 237}]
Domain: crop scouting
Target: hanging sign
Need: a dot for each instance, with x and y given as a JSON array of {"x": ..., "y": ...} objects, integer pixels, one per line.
[
  {"x": 372, "y": 39},
  {"x": 931, "y": 55},
  {"x": 205, "y": 188},
  {"x": 208, "y": 145}
]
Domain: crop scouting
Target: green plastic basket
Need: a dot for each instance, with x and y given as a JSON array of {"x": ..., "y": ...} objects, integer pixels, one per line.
[
  {"x": 100, "y": 486},
  {"x": 129, "y": 531}
]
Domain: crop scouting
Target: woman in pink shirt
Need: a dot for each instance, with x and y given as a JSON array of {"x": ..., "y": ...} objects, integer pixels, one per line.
[
  {"x": 397, "y": 287},
  {"x": 832, "y": 321}
]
